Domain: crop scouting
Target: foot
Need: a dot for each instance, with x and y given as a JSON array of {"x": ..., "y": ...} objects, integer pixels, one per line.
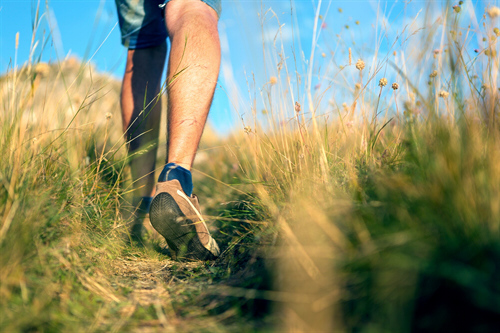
[
  {"x": 136, "y": 234},
  {"x": 177, "y": 217},
  {"x": 136, "y": 229}
]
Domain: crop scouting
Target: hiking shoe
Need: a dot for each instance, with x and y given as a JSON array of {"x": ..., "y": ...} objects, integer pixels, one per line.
[
  {"x": 177, "y": 217},
  {"x": 136, "y": 228}
]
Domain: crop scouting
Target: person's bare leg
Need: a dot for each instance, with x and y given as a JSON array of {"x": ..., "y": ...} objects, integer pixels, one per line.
[
  {"x": 140, "y": 88},
  {"x": 192, "y": 73},
  {"x": 195, "y": 50}
]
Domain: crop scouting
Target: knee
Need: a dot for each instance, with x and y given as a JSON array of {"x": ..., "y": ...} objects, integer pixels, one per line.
[{"x": 181, "y": 14}]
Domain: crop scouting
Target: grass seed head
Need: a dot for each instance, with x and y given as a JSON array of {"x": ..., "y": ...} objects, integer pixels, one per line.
[
  {"x": 395, "y": 86},
  {"x": 491, "y": 52},
  {"x": 382, "y": 82},
  {"x": 297, "y": 107},
  {"x": 273, "y": 80},
  {"x": 360, "y": 64},
  {"x": 493, "y": 12},
  {"x": 433, "y": 74},
  {"x": 444, "y": 94}
]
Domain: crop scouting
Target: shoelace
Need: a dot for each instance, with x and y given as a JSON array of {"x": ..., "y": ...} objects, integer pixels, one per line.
[
  {"x": 212, "y": 244},
  {"x": 185, "y": 197}
]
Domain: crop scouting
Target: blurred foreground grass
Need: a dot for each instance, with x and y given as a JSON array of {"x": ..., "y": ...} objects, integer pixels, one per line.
[{"x": 361, "y": 224}]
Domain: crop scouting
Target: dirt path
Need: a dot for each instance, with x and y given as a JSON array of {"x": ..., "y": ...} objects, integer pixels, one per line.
[
  {"x": 179, "y": 295},
  {"x": 151, "y": 288}
]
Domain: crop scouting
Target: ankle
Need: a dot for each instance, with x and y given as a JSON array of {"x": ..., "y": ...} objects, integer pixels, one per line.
[
  {"x": 186, "y": 166},
  {"x": 173, "y": 171}
]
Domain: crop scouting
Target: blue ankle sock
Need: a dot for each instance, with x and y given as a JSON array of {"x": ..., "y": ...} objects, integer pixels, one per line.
[
  {"x": 173, "y": 171},
  {"x": 143, "y": 208}
]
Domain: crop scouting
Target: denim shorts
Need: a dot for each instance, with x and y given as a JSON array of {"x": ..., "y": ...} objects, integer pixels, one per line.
[{"x": 142, "y": 22}]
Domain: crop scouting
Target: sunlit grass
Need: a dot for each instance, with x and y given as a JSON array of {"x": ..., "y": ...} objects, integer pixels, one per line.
[{"x": 368, "y": 201}]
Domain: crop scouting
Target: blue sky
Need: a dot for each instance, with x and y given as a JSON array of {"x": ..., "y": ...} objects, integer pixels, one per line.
[{"x": 247, "y": 28}]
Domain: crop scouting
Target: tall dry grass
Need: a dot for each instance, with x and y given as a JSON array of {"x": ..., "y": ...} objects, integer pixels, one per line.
[
  {"x": 385, "y": 201},
  {"x": 350, "y": 207}
]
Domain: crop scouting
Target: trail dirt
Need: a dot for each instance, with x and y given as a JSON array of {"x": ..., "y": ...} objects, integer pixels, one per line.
[{"x": 180, "y": 295}]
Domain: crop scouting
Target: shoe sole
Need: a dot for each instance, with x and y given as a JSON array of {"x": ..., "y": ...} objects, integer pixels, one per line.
[{"x": 179, "y": 232}]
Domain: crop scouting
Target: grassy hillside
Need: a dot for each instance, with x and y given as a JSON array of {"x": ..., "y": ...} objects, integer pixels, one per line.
[{"x": 376, "y": 213}]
